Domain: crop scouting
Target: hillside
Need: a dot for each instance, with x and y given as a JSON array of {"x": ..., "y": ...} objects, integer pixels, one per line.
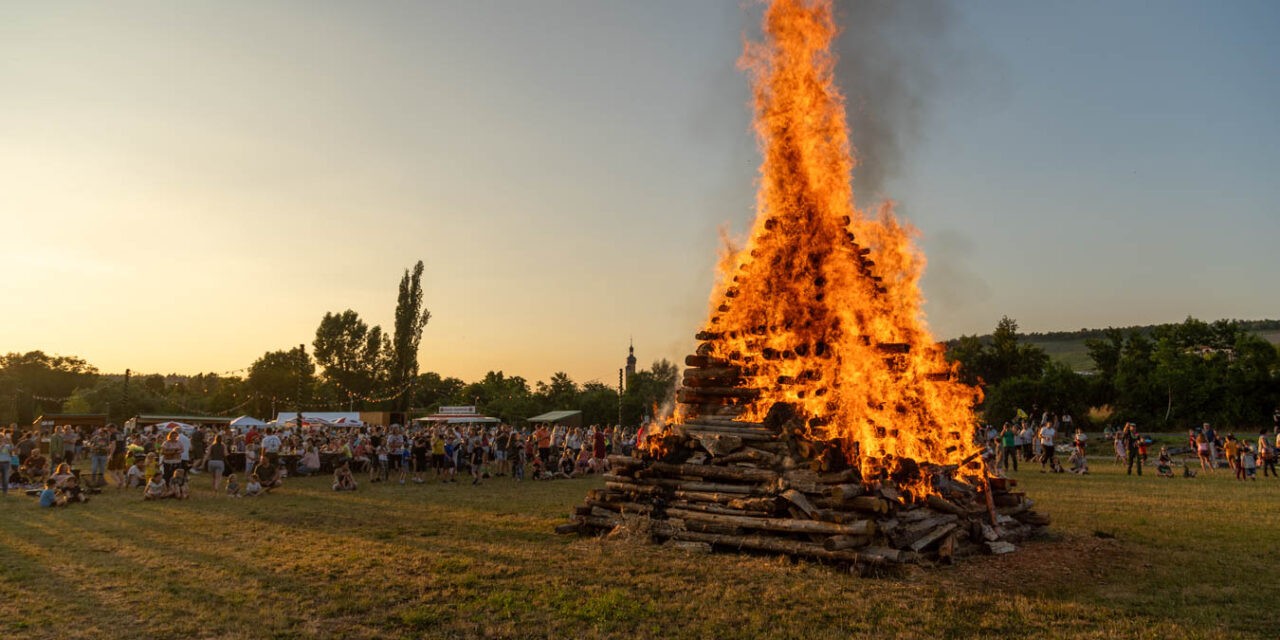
[{"x": 1068, "y": 346}]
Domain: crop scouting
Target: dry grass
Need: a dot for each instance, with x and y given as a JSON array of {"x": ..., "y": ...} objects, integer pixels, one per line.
[{"x": 1189, "y": 559}]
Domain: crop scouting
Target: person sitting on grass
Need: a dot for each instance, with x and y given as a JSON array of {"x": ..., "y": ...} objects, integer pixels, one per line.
[
  {"x": 1164, "y": 466},
  {"x": 134, "y": 478},
  {"x": 270, "y": 475},
  {"x": 253, "y": 488},
  {"x": 537, "y": 470},
  {"x": 156, "y": 488},
  {"x": 233, "y": 486},
  {"x": 343, "y": 480},
  {"x": 310, "y": 462},
  {"x": 178, "y": 488},
  {"x": 50, "y": 497},
  {"x": 68, "y": 484},
  {"x": 34, "y": 469}
]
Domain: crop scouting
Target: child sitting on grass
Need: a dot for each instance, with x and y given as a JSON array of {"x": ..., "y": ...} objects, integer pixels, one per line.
[
  {"x": 253, "y": 488},
  {"x": 233, "y": 486},
  {"x": 178, "y": 485},
  {"x": 155, "y": 489},
  {"x": 1164, "y": 464},
  {"x": 49, "y": 497},
  {"x": 134, "y": 478},
  {"x": 342, "y": 478}
]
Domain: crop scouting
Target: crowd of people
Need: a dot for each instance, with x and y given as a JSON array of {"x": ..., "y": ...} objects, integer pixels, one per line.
[
  {"x": 159, "y": 463},
  {"x": 1027, "y": 442}
]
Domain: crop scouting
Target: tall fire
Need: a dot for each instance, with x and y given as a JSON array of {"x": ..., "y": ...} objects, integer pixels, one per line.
[{"x": 818, "y": 416}]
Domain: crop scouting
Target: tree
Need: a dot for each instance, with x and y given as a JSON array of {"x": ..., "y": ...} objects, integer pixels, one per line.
[
  {"x": 649, "y": 392},
  {"x": 277, "y": 376},
  {"x": 411, "y": 318},
  {"x": 35, "y": 382},
  {"x": 350, "y": 352}
]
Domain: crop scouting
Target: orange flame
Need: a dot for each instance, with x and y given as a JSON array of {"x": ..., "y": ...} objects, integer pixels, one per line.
[{"x": 822, "y": 307}]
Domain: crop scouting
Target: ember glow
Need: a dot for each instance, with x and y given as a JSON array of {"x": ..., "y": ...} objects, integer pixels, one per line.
[{"x": 822, "y": 306}]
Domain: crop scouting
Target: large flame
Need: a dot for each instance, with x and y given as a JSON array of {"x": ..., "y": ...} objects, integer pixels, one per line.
[{"x": 802, "y": 308}]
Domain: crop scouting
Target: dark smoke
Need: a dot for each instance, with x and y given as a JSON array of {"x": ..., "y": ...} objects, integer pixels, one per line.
[{"x": 895, "y": 58}]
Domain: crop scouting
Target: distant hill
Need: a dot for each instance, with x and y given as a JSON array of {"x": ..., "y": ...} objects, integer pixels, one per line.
[{"x": 1068, "y": 346}]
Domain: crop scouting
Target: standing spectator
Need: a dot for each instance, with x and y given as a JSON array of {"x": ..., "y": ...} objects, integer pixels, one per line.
[
  {"x": 57, "y": 446},
  {"x": 6, "y": 461},
  {"x": 1130, "y": 438},
  {"x": 170, "y": 454},
  {"x": 271, "y": 445},
  {"x": 1080, "y": 441},
  {"x": 1267, "y": 454},
  {"x": 99, "y": 452},
  {"x": 1248, "y": 463},
  {"x": 1212, "y": 438},
  {"x": 1232, "y": 450},
  {"x": 1048, "y": 458},
  {"x": 116, "y": 462},
  {"x": 1203, "y": 452},
  {"x": 543, "y": 438},
  {"x": 215, "y": 457}
]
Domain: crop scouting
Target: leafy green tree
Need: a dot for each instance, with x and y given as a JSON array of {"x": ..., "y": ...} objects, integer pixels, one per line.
[
  {"x": 33, "y": 383},
  {"x": 599, "y": 403},
  {"x": 648, "y": 391},
  {"x": 560, "y": 393},
  {"x": 350, "y": 352},
  {"x": 277, "y": 376},
  {"x": 411, "y": 318},
  {"x": 500, "y": 396},
  {"x": 431, "y": 390}
]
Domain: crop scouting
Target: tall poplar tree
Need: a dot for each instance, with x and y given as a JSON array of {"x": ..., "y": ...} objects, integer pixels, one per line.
[{"x": 411, "y": 317}]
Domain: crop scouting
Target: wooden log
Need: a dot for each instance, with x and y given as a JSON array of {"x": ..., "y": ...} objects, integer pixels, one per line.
[
  {"x": 947, "y": 548},
  {"x": 703, "y": 496},
  {"x": 800, "y": 501},
  {"x": 713, "y": 372},
  {"x": 938, "y": 503},
  {"x": 623, "y": 462},
  {"x": 893, "y": 347},
  {"x": 688, "y": 395},
  {"x": 716, "y": 472},
  {"x": 694, "y": 431},
  {"x": 712, "y": 507},
  {"x": 628, "y": 487},
  {"x": 932, "y": 536},
  {"x": 718, "y": 445},
  {"x": 705, "y": 361},
  {"x": 997, "y": 547},
  {"x": 845, "y": 492},
  {"x": 838, "y": 543},
  {"x": 885, "y": 553},
  {"x": 869, "y": 504},
  {"x": 689, "y": 546},
  {"x": 708, "y": 487},
  {"x": 861, "y": 527},
  {"x": 750, "y": 454},
  {"x": 761, "y": 504},
  {"x": 777, "y": 545},
  {"x": 738, "y": 424}
]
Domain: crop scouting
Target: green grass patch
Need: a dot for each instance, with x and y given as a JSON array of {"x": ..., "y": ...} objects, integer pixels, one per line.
[{"x": 1127, "y": 557}]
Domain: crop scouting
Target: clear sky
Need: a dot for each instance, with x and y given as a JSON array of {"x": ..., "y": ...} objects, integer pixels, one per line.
[{"x": 184, "y": 186}]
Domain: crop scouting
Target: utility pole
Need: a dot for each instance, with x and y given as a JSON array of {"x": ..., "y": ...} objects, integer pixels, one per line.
[
  {"x": 619, "y": 398},
  {"x": 302, "y": 364}
]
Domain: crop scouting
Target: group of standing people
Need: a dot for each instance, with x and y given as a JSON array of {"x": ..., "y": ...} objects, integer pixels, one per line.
[
  {"x": 1242, "y": 456},
  {"x": 1024, "y": 441}
]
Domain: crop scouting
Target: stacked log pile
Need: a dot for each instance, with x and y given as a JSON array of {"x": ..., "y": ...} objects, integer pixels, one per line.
[{"x": 715, "y": 482}]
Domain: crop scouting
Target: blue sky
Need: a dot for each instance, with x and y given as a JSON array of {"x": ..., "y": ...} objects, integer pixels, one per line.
[{"x": 187, "y": 185}]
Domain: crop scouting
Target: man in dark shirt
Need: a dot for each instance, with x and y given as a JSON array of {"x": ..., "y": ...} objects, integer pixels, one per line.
[{"x": 268, "y": 474}]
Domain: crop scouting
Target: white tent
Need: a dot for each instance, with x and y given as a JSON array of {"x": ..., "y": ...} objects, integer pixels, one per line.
[
  {"x": 244, "y": 422},
  {"x": 171, "y": 425}
]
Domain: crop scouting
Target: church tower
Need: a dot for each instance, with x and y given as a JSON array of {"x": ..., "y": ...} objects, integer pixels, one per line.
[{"x": 631, "y": 360}]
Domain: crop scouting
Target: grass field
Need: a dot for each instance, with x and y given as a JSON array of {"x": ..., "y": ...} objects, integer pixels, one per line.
[{"x": 1127, "y": 558}]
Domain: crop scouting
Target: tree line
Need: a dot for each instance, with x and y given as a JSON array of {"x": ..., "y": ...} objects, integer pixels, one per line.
[
  {"x": 1164, "y": 377},
  {"x": 350, "y": 366}
]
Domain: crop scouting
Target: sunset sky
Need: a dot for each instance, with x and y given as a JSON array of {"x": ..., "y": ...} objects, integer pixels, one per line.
[{"x": 184, "y": 186}]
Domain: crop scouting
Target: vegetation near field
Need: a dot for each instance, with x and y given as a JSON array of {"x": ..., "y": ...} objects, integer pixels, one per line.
[{"x": 1127, "y": 557}]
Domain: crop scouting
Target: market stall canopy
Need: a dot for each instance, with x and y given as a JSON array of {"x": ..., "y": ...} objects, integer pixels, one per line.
[
  {"x": 567, "y": 418},
  {"x": 318, "y": 418},
  {"x": 458, "y": 415},
  {"x": 245, "y": 422}
]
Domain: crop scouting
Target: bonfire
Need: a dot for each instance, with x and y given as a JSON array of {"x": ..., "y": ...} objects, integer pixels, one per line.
[{"x": 818, "y": 417}]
